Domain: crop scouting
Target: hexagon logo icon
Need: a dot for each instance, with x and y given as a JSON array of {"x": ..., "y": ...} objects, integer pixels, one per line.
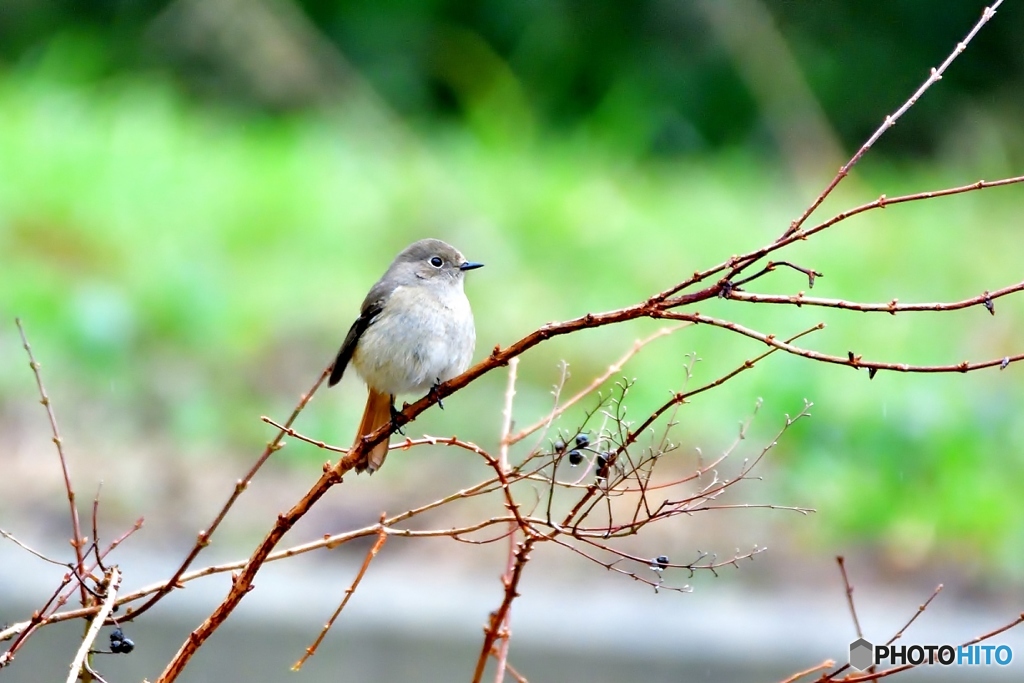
[{"x": 861, "y": 654}]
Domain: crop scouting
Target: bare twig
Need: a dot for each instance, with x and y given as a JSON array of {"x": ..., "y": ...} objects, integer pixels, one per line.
[
  {"x": 893, "y": 307},
  {"x": 497, "y": 618},
  {"x": 612, "y": 370},
  {"x": 327, "y": 542},
  {"x": 95, "y": 527},
  {"x": 906, "y": 667},
  {"x": 913, "y": 618},
  {"x": 382, "y": 536},
  {"x": 933, "y": 77},
  {"x": 851, "y": 360},
  {"x": 76, "y": 541},
  {"x": 515, "y": 674},
  {"x": 112, "y": 582},
  {"x": 827, "y": 664},
  {"x": 883, "y": 201},
  {"x": 505, "y": 440},
  {"x": 10, "y": 537},
  {"x": 849, "y": 595},
  {"x": 203, "y": 538}
]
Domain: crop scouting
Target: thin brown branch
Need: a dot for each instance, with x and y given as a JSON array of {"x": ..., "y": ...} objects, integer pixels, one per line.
[
  {"x": 515, "y": 674},
  {"x": 849, "y": 595},
  {"x": 242, "y": 581},
  {"x": 77, "y": 542},
  {"x": 827, "y": 664},
  {"x": 497, "y": 617},
  {"x": 382, "y": 536},
  {"x": 770, "y": 267},
  {"x": 692, "y": 567},
  {"x": 737, "y": 264},
  {"x": 92, "y": 672},
  {"x": 850, "y": 359},
  {"x": 112, "y": 582},
  {"x": 893, "y": 307},
  {"x": 95, "y": 527},
  {"x": 504, "y": 441},
  {"x": 612, "y": 370},
  {"x": 612, "y": 567},
  {"x": 10, "y": 537},
  {"x": 933, "y": 77},
  {"x": 203, "y": 538},
  {"x": 884, "y": 201},
  {"x": 913, "y": 618},
  {"x": 676, "y": 399},
  {"x": 326, "y": 542},
  {"x": 403, "y": 445},
  {"x": 905, "y": 667}
]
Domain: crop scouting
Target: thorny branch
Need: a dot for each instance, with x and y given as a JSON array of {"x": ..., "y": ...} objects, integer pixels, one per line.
[
  {"x": 501, "y": 633},
  {"x": 933, "y": 77},
  {"x": 76, "y": 541},
  {"x": 871, "y": 674},
  {"x": 382, "y": 537}
]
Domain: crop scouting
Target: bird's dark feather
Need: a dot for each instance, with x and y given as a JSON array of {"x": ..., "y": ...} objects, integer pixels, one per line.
[{"x": 372, "y": 307}]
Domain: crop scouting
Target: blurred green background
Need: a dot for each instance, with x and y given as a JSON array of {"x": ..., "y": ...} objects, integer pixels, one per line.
[{"x": 195, "y": 195}]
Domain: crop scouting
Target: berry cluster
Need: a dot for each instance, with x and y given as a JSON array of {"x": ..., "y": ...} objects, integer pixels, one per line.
[
  {"x": 119, "y": 643},
  {"x": 576, "y": 454}
]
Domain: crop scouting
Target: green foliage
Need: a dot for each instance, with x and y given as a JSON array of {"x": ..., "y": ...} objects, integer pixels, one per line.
[
  {"x": 653, "y": 77},
  {"x": 191, "y": 268}
]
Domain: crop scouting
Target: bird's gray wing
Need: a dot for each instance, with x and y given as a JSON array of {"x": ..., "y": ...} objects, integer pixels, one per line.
[{"x": 372, "y": 306}]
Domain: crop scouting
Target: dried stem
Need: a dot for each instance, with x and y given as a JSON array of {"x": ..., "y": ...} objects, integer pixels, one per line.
[
  {"x": 203, "y": 538},
  {"x": 327, "y": 542},
  {"x": 10, "y": 537},
  {"x": 933, "y": 77},
  {"x": 851, "y": 360},
  {"x": 599, "y": 381},
  {"x": 504, "y": 442},
  {"x": 913, "y": 618},
  {"x": 76, "y": 541},
  {"x": 906, "y": 667},
  {"x": 827, "y": 664},
  {"x": 893, "y": 307},
  {"x": 112, "y": 582},
  {"x": 849, "y": 595},
  {"x": 491, "y": 633},
  {"x": 382, "y": 536}
]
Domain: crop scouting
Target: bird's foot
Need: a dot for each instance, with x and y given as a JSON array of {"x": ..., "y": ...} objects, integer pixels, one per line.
[
  {"x": 434, "y": 394},
  {"x": 396, "y": 427}
]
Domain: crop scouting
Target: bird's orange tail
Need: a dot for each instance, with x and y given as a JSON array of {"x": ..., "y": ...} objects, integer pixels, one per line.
[{"x": 376, "y": 415}]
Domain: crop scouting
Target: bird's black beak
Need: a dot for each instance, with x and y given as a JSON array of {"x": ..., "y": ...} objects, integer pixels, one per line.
[{"x": 469, "y": 265}]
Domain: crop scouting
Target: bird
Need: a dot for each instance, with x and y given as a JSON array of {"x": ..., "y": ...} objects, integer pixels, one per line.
[{"x": 415, "y": 330}]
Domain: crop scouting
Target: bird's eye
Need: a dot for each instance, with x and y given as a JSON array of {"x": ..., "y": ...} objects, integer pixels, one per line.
[{"x": 436, "y": 262}]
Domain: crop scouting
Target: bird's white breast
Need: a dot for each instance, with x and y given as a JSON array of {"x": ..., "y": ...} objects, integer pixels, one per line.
[{"x": 424, "y": 334}]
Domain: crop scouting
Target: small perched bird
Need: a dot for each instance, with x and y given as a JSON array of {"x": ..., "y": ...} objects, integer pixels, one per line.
[{"x": 414, "y": 331}]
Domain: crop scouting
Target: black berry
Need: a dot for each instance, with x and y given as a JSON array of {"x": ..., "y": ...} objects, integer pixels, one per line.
[{"x": 119, "y": 644}]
